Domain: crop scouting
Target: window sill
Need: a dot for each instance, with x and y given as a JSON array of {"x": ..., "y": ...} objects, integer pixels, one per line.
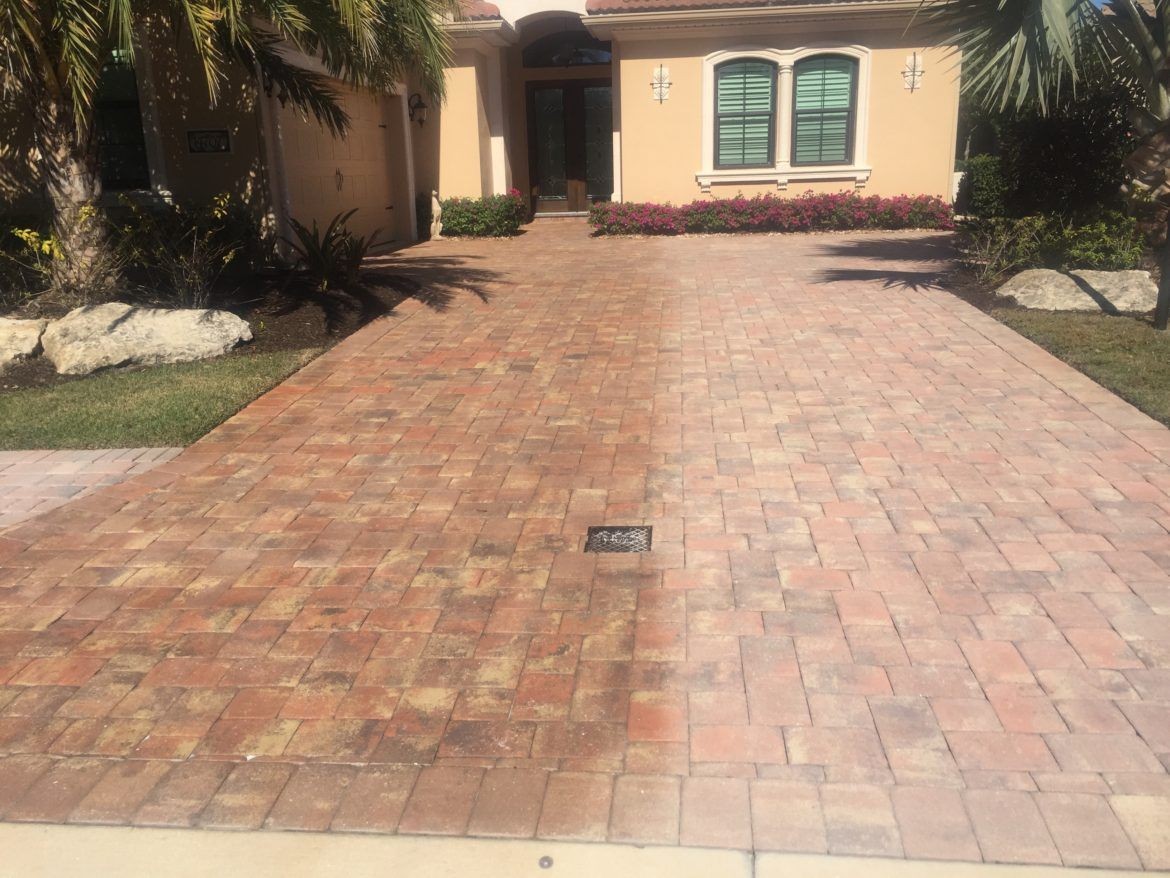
[{"x": 782, "y": 176}]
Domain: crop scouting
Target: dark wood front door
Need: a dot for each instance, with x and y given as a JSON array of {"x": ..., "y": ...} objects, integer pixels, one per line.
[{"x": 570, "y": 144}]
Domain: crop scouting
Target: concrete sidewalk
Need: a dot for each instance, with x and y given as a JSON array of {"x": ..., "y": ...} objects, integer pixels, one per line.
[
  {"x": 33, "y": 482},
  {"x": 95, "y": 852}
]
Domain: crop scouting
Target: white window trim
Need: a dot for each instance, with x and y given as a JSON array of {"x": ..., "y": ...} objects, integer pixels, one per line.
[{"x": 784, "y": 172}]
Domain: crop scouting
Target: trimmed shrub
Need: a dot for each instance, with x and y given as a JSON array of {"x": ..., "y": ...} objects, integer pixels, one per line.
[
  {"x": 999, "y": 245},
  {"x": 984, "y": 189},
  {"x": 770, "y": 213},
  {"x": 495, "y": 216}
]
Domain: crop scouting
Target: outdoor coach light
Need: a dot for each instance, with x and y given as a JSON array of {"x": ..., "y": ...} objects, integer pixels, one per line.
[
  {"x": 912, "y": 74},
  {"x": 418, "y": 109}
]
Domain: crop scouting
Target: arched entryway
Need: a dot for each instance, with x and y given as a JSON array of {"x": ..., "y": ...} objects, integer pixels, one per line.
[{"x": 569, "y": 116}]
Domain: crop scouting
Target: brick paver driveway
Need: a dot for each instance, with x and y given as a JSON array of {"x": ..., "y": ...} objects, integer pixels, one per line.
[{"x": 909, "y": 592}]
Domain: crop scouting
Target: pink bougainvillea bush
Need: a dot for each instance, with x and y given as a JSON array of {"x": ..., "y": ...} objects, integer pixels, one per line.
[{"x": 809, "y": 212}]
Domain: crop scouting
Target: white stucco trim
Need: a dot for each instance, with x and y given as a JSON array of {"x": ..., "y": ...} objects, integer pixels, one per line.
[
  {"x": 615, "y": 91},
  {"x": 407, "y": 147},
  {"x": 497, "y": 119},
  {"x": 156, "y": 154},
  {"x": 279, "y": 205},
  {"x": 783, "y": 172}
]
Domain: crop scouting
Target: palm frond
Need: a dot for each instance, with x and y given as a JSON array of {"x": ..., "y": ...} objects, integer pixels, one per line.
[
  {"x": 307, "y": 90},
  {"x": 1017, "y": 52},
  {"x": 80, "y": 30}
]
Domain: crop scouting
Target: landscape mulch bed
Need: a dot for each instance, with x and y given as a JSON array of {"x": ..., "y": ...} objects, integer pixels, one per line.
[{"x": 285, "y": 314}]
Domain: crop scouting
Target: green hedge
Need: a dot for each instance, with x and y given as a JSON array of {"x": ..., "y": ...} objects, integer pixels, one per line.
[
  {"x": 495, "y": 216},
  {"x": 984, "y": 190}
]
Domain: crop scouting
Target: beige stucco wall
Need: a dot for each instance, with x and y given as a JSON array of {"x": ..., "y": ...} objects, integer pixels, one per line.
[
  {"x": 464, "y": 136},
  {"x": 183, "y": 104},
  {"x": 910, "y": 134}
]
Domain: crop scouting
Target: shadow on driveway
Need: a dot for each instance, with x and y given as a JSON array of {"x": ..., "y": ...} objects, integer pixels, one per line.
[{"x": 913, "y": 263}]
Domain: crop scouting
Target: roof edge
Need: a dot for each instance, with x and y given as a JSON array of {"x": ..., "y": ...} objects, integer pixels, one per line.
[{"x": 618, "y": 12}]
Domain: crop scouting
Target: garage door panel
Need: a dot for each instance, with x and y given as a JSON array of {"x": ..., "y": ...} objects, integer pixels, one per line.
[{"x": 313, "y": 158}]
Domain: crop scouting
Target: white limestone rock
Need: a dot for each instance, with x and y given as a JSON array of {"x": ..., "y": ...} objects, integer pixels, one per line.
[
  {"x": 115, "y": 334},
  {"x": 1084, "y": 290},
  {"x": 19, "y": 339}
]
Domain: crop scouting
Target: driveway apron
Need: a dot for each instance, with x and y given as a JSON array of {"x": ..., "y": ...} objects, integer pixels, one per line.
[{"x": 908, "y": 592}]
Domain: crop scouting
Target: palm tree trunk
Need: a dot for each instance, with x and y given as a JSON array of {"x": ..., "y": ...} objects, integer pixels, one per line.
[{"x": 84, "y": 266}]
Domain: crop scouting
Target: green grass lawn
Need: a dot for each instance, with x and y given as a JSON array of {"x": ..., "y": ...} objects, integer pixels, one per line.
[
  {"x": 164, "y": 405},
  {"x": 1123, "y": 354}
]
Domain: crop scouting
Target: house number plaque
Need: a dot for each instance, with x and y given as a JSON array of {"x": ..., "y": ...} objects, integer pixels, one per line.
[{"x": 209, "y": 140}]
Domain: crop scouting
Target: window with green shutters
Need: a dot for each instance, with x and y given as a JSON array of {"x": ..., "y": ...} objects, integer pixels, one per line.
[
  {"x": 824, "y": 105},
  {"x": 745, "y": 114}
]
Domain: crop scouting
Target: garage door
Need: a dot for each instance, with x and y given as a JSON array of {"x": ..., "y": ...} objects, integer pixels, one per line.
[{"x": 327, "y": 175}]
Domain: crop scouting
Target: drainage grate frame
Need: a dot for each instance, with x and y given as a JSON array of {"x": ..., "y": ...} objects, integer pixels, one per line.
[{"x": 619, "y": 538}]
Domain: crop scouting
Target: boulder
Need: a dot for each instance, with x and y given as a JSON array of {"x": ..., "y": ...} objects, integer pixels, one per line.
[
  {"x": 19, "y": 339},
  {"x": 115, "y": 334},
  {"x": 1083, "y": 290}
]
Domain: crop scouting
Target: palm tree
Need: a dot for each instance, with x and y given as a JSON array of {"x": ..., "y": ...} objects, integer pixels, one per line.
[
  {"x": 52, "y": 53},
  {"x": 1021, "y": 52}
]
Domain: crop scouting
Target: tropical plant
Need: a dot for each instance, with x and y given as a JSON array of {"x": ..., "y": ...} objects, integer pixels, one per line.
[
  {"x": 1028, "y": 53},
  {"x": 332, "y": 258},
  {"x": 183, "y": 249},
  {"x": 53, "y": 53},
  {"x": 994, "y": 246}
]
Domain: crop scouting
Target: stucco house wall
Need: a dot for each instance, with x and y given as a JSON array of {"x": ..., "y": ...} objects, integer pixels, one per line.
[
  {"x": 905, "y": 139},
  {"x": 910, "y": 136},
  {"x": 282, "y": 163}
]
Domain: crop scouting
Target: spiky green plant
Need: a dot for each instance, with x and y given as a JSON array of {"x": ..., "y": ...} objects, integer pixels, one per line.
[
  {"x": 1035, "y": 52},
  {"x": 52, "y": 53}
]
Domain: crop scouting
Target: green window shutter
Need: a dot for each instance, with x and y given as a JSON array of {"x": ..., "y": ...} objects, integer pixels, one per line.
[
  {"x": 745, "y": 114},
  {"x": 823, "y": 110}
]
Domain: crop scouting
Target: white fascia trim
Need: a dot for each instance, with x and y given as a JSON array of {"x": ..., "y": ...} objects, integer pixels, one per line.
[
  {"x": 496, "y": 33},
  {"x": 603, "y": 24},
  {"x": 783, "y": 172}
]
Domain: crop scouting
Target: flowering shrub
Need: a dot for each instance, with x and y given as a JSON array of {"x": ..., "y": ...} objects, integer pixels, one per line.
[
  {"x": 769, "y": 213},
  {"x": 494, "y": 216}
]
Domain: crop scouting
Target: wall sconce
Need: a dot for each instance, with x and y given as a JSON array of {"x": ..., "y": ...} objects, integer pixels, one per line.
[
  {"x": 417, "y": 108},
  {"x": 660, "y": 83},
  {"x": 913, "y": 73}
]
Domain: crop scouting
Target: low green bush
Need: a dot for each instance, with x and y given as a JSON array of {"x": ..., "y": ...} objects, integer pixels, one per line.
[
  {"x": 494, "y": 216},
  {"x": 984, "y": 190},
  {"x": 997, "y": 246}
]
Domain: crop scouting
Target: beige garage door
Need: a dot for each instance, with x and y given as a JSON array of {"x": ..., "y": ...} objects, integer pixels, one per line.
[{"x": 327, "y": 175}]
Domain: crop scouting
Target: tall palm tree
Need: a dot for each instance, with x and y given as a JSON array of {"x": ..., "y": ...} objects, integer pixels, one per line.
[
  {"x": 1020, "y": 52},
  {"x": 52, "y": 53}
]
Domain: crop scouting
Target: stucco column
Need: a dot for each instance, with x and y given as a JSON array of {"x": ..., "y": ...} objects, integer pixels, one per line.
[
  {"x": 784, "y": 117},
  {"x": 497, "y": 124},
  {"x": 156, "y": 156},
  {"x": 397, "y": 115},
  {"x": 616, "y": 102},
  {"x": 464, "y": 144}
]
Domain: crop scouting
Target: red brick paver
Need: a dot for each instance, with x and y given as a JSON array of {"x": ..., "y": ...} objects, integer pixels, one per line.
[{"x": 909, "y": 593}]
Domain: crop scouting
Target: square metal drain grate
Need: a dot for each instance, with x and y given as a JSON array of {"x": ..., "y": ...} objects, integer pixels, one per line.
[{"x": 618, "y": 538}]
